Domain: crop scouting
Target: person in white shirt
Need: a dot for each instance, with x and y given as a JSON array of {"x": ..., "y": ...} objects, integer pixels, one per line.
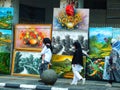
[{"x": 46, "y": 55}]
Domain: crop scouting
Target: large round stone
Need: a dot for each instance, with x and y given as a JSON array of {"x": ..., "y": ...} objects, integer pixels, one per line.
[{"x": 49, "y": 77}]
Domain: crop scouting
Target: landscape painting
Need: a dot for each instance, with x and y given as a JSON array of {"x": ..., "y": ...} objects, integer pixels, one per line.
[
  {"x": 29, "y": 37},
  {"x": 26, "y": 63},
  {"x": 5, "y": 59},
  {"x": 62, "y": 41},
  {"x": 5, "y": 40},
  {"x": 62, "y": 65},
  {"x": 6, "y": 17},
  {"x": 100, "y": 41}
]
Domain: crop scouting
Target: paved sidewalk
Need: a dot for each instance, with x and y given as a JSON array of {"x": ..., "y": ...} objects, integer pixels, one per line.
[{"x": 31, "y": 83}]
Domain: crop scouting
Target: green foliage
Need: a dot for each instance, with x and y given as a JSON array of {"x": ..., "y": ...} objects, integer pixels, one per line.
[{"x": 5, "y": 63}]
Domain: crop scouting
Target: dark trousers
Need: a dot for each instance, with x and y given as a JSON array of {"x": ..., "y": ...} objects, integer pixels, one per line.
[
  {"x": 112, "y": 77},
  {"x": 43, "y": 67}
]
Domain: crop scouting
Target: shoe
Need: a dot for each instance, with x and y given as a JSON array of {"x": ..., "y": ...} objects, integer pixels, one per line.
[
  {"x": 83, "y": 81},
  {"x": 108, "y": 85},
  {"x": 39, "y": 80},
  {"x": 73, "y": 83}
]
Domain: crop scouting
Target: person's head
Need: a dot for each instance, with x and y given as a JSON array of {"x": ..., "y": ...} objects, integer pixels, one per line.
[
  {"x": 76, "y": 45},
  {"x": 47, "y": 43}
]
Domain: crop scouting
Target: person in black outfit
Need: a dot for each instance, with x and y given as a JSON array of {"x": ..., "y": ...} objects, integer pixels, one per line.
[{"x": 77, "y": 64}]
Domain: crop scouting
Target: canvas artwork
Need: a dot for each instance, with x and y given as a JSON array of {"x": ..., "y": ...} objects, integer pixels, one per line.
[
  {"x": 6, "y": 17},
  {"x": 116, "y": 33},
  {"x": 5, "y": 3},
  {"x": 26, "y": 63},
  {"x": 5, "y": 40},
  {"x": 79, "y": 20},
  {"x": 29, "y": 37},
  {"x": 94, "y": 68},
  {"x": 62, "y": 41},
  {"x": 5, "y": 63},
  {"x": 64, "y": 3},
  {"x": 100, "y": 41},
  {"x": 62, "y": 65}
]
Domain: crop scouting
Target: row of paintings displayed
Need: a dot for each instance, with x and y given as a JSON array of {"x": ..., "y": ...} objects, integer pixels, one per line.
[
  {"x": 26, "y": 63},
  {"x": 95, "y": 38}
]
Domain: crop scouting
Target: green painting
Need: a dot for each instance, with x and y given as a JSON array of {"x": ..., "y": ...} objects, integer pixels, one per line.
[
  {"x": 99, "y": 42},
  {"x": 6, "y": 17},
  {"x": 94, "y": 68},
  {"x": 4, "y": 63},
  {"x": 26, "y": 63}
]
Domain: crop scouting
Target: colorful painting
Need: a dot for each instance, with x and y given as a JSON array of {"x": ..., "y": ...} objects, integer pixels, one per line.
[
  {"x": 100, "y": 42},
  {"x": 78, "y": 21},
  {"x": 62, "y": 41},
  {"x": 29, "y": 37},
  {"x": 6, "y": 17},
  {"x": 4, "y": 63},
  {"x": 5, "y": 40},
  {"x": 64, "y": 3},
  {"x": 94, "y": 68},
  {"x": 62, "y": 65},
  {"x": 26, "y": 63},
  {"x": 5, "y": 3},
  {"x": 116, "y": 33}
]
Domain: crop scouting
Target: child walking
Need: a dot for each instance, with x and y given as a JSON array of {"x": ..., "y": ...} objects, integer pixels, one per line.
[{"x": 77, "y": 64}]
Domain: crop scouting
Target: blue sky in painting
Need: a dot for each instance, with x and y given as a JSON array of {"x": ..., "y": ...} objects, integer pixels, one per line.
[
  {"x": 5, "y": 31},
  {"x": 101, "y": 33},
  {"x": 3, "y": 11}
]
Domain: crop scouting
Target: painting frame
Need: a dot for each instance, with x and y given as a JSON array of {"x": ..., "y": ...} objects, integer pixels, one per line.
[
  {"x": 34, "y": 53},
  {"x": 45, "y": 29}
]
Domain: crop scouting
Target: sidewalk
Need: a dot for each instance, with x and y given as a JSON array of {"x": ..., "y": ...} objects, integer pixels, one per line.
[{"x": 32, "y": 83}]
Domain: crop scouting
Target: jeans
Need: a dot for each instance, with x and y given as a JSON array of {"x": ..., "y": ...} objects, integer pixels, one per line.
[{"x": 43, "y": 67}]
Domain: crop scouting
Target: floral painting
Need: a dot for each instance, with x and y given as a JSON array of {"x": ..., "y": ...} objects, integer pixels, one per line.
[
  {"x": 30, "y": 36},
  {"x": 100, "y": 41},
  {"x": 78, "y": 20},
  {"x": 26, "y": 63},
  {"x": 6, "y": 17}
]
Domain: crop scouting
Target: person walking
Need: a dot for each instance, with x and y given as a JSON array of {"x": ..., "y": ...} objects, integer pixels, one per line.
[
  {"x": 46, "y": 55},
  {"x": 77, "y": 64}
]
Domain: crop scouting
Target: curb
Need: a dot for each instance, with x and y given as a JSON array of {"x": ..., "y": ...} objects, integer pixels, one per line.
[{"x": 28, "y": 86}]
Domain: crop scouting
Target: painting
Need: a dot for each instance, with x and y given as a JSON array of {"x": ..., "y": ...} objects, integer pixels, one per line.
[
  {"x": 62, "y": 65},
  {"x": 6, "y": 17},
  {"x": 100, "y": 41},
  {"x": 26, "y": 63},
  {"x": 64, "y": 3},
  {"x": 5, "y": 3},
  {"x": 79, "y": 20},
  {"x": 62, "y": 41},
  {"x": 94, "y": 68},
  {"x": 116, "y": 33},
  {"x": 29, "y": 37},
  {"x": 5, "y": 62},
  {"x": 5, "y": 40}
]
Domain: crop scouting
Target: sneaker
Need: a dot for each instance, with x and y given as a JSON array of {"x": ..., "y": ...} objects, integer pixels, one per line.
[
  {"x": 83, "y": 81},
  {"x": 73, "y": 83},
  {"x": 108, "y": 85}
]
